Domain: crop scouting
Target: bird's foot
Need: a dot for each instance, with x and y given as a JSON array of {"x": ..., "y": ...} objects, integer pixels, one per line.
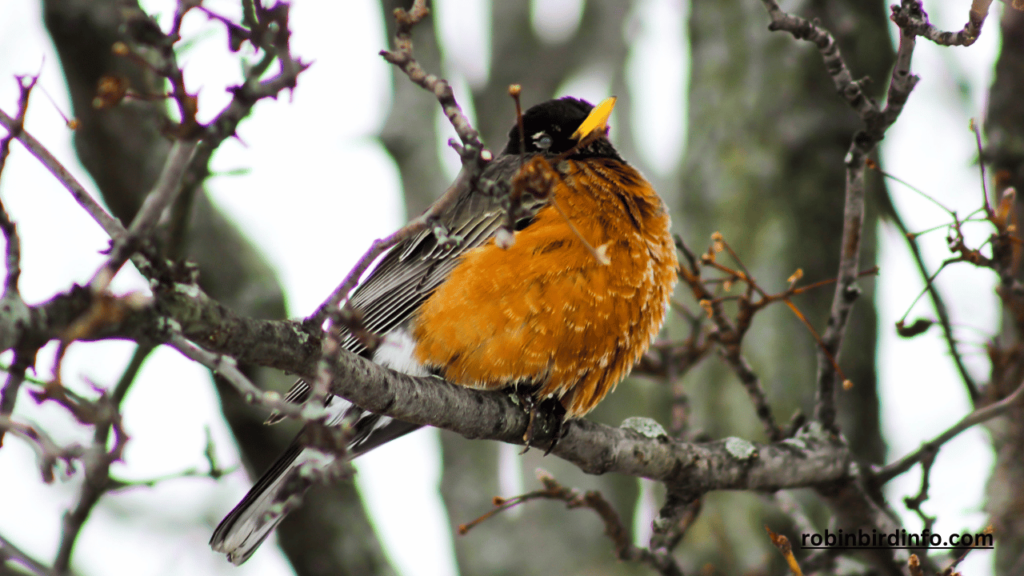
[{"x": 541, "y": 412}]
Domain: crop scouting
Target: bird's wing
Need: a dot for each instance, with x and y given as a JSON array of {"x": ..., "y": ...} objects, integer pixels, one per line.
[{"x": 411, "y": 270}]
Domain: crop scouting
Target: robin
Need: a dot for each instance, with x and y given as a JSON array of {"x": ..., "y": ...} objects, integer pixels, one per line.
[{"x": 554, "y": 284}]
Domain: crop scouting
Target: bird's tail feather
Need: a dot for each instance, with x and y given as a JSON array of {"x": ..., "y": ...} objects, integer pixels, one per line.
[{"x": 246, "y": 527}]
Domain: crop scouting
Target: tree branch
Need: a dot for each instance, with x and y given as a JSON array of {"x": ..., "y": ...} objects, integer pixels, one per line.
[
  {"x": 146, "y": 219},
  {"x": 110, "y": 225},
  {"x": 11, "y": 553},
  {"x": 912, "y": 17},
  {"x": 937, "y": 301},
  {"x": 474, "y": 156},
  {"x": 976, "y": 417},
  {"x": 876, "y": 122},
  {"x": 48, "y": 452}
]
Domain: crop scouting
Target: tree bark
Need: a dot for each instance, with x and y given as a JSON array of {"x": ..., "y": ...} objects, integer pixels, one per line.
[{"x": 1004, "y": 128}]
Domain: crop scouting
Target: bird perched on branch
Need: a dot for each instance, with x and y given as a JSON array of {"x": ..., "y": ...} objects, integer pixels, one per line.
[{"x": 553, "y": 277}]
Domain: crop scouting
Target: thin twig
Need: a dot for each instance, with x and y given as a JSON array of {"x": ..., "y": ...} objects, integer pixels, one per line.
[
  {"x": 730, "y": 335},
  {"x": 911, "y": 16},
  {"x": 379, "y": 246},
  {"x": 159, "y": 199},
  {"x": 244, "y": 97},
  {"x": 916, "y": 502},
  {"x": 674, "y": 519},
  {"x": 96, "y": 460},
  {"x": 48, "y": 452},
  {"x": 227, "y": 368},
  {"x": 939, "y": 304},
  {"x": 950, "y": 570},
  {"x": 989, "y": 214},
  {"x": 110, "y": 225},
  {"x": 117, "y": 484},
  {"x": 803, "y": 29},
  {"x": 130, "y": 372},
  {"x": 13, "y": 254},
  {"x": 474, "y": 156},
  {"x": 15, "y": 378},
  {"x": 9, "y": 553},
  {"x": 662, "y": 561},
  {"x": 13, "y": 310},
  {"x": 876, "y": 122},
  {"x": 403, "y": 59},
  {"x": 13, "y": 131},
  {"x": 976, "y": 417}
]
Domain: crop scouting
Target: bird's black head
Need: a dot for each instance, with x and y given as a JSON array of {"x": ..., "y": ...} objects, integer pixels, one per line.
[{"x": 548, "y": 129}]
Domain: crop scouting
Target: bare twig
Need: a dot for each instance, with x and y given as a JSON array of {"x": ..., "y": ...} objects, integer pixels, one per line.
[
  {"x": 803, "y": 29},
  {"x": 851, "y": 501},
  {"x": 846, "y": 292},
  {"x": 912, "y": 17},
  {"x": 673, "y": 521},
  {"x": 976, "y": 417},
  {"x": 916, "y": 502},
  {"x": 15, "y": 378},
  {"x": 13, "y": 254},
  {"x": 118, "y": 484},
  {"x": 227, "y": 368},
  {"x": 752, "y": 383},
  {"x": 158, "y": 200},
  {"x": 11, "y": 553},
  {"x": 104, "y": 415},
  {"x": 474, "y": 156},
  {"x": 214, "y": 469},
  {"x": 951, "y": 569},
  {"x": 18, "y": 126},
  {"x": 661, "y": 561},
  {"x": 48, "y": 452},
  {"x": 96, "y": 459},
  {"x": 876, "y": 122},
  {"x": 937, "y": 302},
  {"x": 403, "y": 59},
  {"x": 276, "y": 47},
  {"x": 989, "y": 214},
  {"x": 110, "y": 225},
  {"x": 14, "y": 313},
  {"x": 130, "y": 372},
  {"x": 12, "y": 307},
  {"x": 415, "y": 226},
  {"x": 729, "y": 335}
]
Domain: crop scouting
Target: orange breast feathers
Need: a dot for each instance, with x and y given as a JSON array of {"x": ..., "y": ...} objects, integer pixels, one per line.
[{"x": 545, "y": 312}]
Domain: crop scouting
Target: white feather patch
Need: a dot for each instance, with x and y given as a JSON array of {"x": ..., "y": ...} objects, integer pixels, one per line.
[{"x": 396, "y": 351}]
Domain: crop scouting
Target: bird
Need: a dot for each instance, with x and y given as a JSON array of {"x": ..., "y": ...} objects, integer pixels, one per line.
[{"x": 552, "y": 277}]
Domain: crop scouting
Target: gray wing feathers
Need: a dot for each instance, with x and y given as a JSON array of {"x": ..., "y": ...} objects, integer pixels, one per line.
[{"x": 389, "y": 296}]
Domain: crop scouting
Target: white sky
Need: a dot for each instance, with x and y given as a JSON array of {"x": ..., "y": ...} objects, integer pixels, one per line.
[{"x": 297, "y": 147}]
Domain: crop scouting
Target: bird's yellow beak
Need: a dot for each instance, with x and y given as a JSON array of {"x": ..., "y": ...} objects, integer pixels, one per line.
[{"x": 596, "y": 120}]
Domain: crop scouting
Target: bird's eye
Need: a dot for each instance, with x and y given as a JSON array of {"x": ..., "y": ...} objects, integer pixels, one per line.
[{"x": 542, "y": 140}]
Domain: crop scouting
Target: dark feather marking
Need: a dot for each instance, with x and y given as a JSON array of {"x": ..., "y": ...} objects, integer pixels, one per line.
[{"x": 549, "y": 247}]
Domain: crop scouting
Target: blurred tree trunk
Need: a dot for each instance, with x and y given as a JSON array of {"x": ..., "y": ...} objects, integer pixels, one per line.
[
  {"x": 1004, "y": 129},
  {"x": 558, "y": 541},
  {"x": 123, "y": 149},
  {"x": 764, "y": 166}
]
